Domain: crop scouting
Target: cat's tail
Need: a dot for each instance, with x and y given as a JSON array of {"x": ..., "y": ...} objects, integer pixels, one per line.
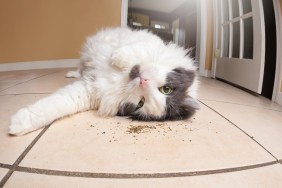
[{"x": 71, "y": 99}]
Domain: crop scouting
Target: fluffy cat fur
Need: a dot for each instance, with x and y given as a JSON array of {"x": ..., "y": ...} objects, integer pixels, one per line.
[{"x": 123, "y": 72}]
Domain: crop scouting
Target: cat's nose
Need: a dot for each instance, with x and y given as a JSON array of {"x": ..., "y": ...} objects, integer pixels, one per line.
[{"x": 143, "y": 82}]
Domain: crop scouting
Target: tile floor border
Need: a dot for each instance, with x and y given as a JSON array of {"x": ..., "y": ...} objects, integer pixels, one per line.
[
  {"x": 15, "y": 165},
  {"x": 139, "y": 175},
  {"x": 251, "y": 137},
  {"x": 241, "y": 104},
  {"x": 25, "y": 94},
  {"x": 128, "y": 176},
  {"x": 30, "y": 80}
]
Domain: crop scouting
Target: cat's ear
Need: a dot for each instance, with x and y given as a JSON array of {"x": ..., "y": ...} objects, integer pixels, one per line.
[
  {"x": 185, "y": 77},
  {"x": 192, "y": 103}
]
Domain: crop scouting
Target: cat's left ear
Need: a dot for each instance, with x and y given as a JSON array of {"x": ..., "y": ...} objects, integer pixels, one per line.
[
  {"x": 193, "y": 103},
  {"x": 185, "y": 77}
]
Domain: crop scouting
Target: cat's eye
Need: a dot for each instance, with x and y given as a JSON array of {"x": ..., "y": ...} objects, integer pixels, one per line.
[
  {"x": 141, "y": 103},
  {"x": 166, "y": 90}
]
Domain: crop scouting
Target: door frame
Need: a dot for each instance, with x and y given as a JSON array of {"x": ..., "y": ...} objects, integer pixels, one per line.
[
  {"x": 123, "y": 13},
  {"x": 201, "y": 24},
  {"x": 277, "y": 93},
  {"x": 216, "y": 51}
]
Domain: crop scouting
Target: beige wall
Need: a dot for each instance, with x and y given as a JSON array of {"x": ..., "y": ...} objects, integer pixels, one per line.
[
  {"x": 51, "y": 29},
  {"x": 281, "y": 42}
]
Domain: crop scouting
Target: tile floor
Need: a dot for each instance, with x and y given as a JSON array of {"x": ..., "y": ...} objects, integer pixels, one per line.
[{"x": 233, "y": 141}]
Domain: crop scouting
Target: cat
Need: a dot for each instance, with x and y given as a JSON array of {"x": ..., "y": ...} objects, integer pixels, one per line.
[{"x": 123, "y": 72}]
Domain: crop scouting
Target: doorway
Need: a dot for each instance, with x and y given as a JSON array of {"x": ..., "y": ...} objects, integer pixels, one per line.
[
  {"x": 173, "y": 21},
  {"x": 270, "y": 49}
]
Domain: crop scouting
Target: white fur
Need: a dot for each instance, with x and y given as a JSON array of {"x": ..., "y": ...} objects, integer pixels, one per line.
[{"x": 107, "y": 59}]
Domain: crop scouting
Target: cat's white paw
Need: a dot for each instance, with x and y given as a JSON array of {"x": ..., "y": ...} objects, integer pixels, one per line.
[
  {"x": 73, "y": 74},
  {"x": 118, "y": 61},
  {"x": 119, "y": 64},
  {"x": 20, "y": 123}
]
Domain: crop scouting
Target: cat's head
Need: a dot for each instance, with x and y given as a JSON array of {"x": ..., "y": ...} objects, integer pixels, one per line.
[{"x": 157, "y": 92}]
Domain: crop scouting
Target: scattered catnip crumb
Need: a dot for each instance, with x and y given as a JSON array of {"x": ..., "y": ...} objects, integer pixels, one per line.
[{"x": 139, "y": 129}]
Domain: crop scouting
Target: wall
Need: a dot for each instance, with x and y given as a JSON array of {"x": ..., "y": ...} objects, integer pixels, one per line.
[
  {"x": 152, "y": 15},
  {"x": 165, "y": 24},
  {"x": 51, "y": 29},
  {"x": 189, "y": 24},
  {"x": 280, "y": 3},
  {"x": 140, "y": 18}
]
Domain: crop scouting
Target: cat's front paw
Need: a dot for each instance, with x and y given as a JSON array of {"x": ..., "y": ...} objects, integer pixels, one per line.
[
  {"x": 20, "y": 123},
  {"x": 119, "y": 64},
  {"x": 73, "y": 74},
  {"x": 118, "y": 61}
]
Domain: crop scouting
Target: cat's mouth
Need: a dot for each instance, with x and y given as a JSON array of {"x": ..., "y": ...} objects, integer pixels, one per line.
[{"x": 140, "y": 104}]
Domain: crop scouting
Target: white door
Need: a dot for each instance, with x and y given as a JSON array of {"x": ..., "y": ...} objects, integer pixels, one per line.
[{"x": 241, "y": 43}]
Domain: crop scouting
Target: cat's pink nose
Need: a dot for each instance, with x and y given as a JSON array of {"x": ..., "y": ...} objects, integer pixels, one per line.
[{"x": 143, "y": 82}]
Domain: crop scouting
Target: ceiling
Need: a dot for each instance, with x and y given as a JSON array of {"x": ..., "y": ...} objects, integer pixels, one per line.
[{"x": 165, "y": 6}]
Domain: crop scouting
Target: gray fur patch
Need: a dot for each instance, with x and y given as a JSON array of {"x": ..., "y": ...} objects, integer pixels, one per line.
[
  {"x": 135, "y": 72},
  {"x": 126, "y": 109},
  {"x": 178, "y": 104}
]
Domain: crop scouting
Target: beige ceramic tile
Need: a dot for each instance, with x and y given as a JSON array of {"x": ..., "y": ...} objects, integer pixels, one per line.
[
  {"x": 44, "y": 84},
  {"x": 85, "y": 142},
  {"x": 3, "y": 172},
  {"x": 215, "y": 90},
  {"x": 12, "y": 78},
  {"x": 11, "y": 147},
  {"x": 264, "y": 125},
  {"x": 261, "y": 177}
]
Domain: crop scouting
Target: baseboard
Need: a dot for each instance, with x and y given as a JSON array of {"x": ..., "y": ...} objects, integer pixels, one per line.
[
  {"x": 205, "y": 73},
  {"x": 278, "y": 98},
  {"x": 46, "y": 64}
]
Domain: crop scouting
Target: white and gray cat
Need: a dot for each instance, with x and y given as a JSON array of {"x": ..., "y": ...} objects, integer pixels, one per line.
[{"x": 124, "y": 73}]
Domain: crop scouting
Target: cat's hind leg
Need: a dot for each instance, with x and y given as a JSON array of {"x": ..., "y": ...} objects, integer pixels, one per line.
[{"x": 68, "y": 100}]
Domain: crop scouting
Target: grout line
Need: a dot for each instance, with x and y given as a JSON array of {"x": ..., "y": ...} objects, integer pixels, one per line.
[
  {"x": 17, "y": 168},
  {"x": 5, "y": 179},
  {"x": 30, "y": 80},
  {"x": 247, "y": 105},
  {"x": 251, "y": 137},
  {"x": 141, "y": 175},
  {"x": 13, "y": 167},
  {"x": 21, "y": 157},
  {"x": 9, "y": 94},
  {"x": 2, "y": 165}
]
